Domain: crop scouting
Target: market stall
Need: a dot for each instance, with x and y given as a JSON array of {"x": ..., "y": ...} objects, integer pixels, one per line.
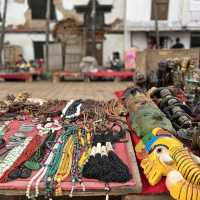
[
  {"x": 22, "y": 76},
  {"x": 59, "y": 147},
  {"x": 26, "y": 72},
  {"x": 94, "y": 75},
  {"x": 167, "y": 147}
]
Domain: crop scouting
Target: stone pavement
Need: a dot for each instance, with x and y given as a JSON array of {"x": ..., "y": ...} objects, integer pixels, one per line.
[{"x": 64, "y": 90}]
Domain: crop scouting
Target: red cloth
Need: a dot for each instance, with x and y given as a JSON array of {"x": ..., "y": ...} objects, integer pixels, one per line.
[
  {"x": 110, "y": 74},
  {"x": 120, "y": 149},
  {"x": 21, "y": 184},
  {"x": 14, "y": 126},
  {"x": 31, "y": 148},
  {"x": 18, "y": 75},
  {"x": 147, "y": 189}
]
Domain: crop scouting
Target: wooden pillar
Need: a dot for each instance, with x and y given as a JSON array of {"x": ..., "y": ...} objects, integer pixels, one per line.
[
  {"x": 3, "y": 30},
  {"x": 156, "y": 24},
  {"x": 93, "y": 28},
  {"x": 48, "y": 14},
  {"x": 63, "y": 55},
  {"x": 84, "y": 41},
  {"x": 125, "y": 27}
]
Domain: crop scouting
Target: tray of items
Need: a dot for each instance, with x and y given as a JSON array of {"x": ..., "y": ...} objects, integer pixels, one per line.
[{"x": 59, "y": 147}]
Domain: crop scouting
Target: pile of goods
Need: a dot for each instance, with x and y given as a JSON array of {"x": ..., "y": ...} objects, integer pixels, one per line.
[
  {"x": 48, "y": 143},
  {"x": 180, "y": 73},
  {"x": 174, "y": 71},
  {"x": 168, "y": 138},
  {"x": 177, "y": 72}
]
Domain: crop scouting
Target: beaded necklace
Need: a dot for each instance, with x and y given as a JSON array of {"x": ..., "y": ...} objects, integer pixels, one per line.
[
  {"x": 84, "y": 138},
  {"x": 53, "y": 167},
  {"x": 76, "y": 157},
  {"x": 65, "y": 166},
  {"x": 46, "y": 161},
  {"x": 40, "y": 174}
]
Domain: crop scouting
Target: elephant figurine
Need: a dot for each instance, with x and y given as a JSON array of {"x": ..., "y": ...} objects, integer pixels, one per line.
[{"x": 167, "y": 156}]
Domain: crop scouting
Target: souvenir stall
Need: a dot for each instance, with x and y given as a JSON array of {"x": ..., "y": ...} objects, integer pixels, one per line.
[
  {"x": 15, "y": 67},
  {"x": 53, "y": 148},
  {"x": 7, "y": 74},
  {"x": 56, "y": 148},
  {"x": 167, "y": 147}
]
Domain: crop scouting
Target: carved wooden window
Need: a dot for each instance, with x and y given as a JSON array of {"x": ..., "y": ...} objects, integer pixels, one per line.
[
  {"x": 99, "y": 19},
  {"x": 39, "y": 7},
  {"x": 162, "y": 9}
]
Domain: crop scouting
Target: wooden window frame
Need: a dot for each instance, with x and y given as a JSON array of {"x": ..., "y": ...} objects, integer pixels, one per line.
[
  {"x": 161, "y": 16},
  {"x": 43, "y": 17}
]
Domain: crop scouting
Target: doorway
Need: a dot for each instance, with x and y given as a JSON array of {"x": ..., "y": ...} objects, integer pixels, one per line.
[{"x": 38, "y": 50}]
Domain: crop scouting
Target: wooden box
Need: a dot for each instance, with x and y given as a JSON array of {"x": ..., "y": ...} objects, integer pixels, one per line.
[{"x": 11, "y": 53}]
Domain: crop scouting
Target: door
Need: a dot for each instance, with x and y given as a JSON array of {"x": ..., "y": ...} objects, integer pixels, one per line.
[
  {"x": 55, "y": 56},
  {"x": 38, "y": 50},
  {"x": 99, "y": 51}
]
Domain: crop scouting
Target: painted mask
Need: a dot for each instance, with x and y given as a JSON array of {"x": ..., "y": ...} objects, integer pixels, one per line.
[{"x": 168, "y": 157}]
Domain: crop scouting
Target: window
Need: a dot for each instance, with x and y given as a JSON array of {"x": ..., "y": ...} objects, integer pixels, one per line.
[
  {"x": 163, "y": 41},
  {"x": 195, "y": 39},
  {"x": 38, "y": 9},
  {"x": 162, "y": 9},
  {"x": 38, "y": 50},
  {"x": 99, "y": 20}
]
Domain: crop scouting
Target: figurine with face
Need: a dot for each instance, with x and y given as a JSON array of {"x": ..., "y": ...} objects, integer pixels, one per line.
[{"x": 167, "y": 156}]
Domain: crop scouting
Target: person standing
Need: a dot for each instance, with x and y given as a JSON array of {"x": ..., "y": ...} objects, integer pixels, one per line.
[{"x": 178, "y": 44}]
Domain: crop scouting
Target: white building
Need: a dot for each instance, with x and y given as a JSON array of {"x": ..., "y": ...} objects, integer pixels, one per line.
[
  {"x": 178, "y": 18},
  {"x": 25, "y": 24}
]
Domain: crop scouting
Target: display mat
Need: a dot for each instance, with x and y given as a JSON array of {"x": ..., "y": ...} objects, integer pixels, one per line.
[
  {"x": 16, "y": 76},
  {"x": 123, "y": 150}
]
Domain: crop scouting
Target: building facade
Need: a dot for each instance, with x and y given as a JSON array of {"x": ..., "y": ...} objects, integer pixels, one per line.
[
  {"x": 176, "y": 18},
  {"x": 25, "y": 24}
]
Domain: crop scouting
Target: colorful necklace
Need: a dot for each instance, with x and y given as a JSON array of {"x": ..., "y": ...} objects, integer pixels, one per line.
[
  {"x": 53, "y": 167},
  {"x": 85, "y": 141},
  {"x": 76, "y": 158},
  {"x": 40, "y": 174},
  {"x": 65, "y": 165}
]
